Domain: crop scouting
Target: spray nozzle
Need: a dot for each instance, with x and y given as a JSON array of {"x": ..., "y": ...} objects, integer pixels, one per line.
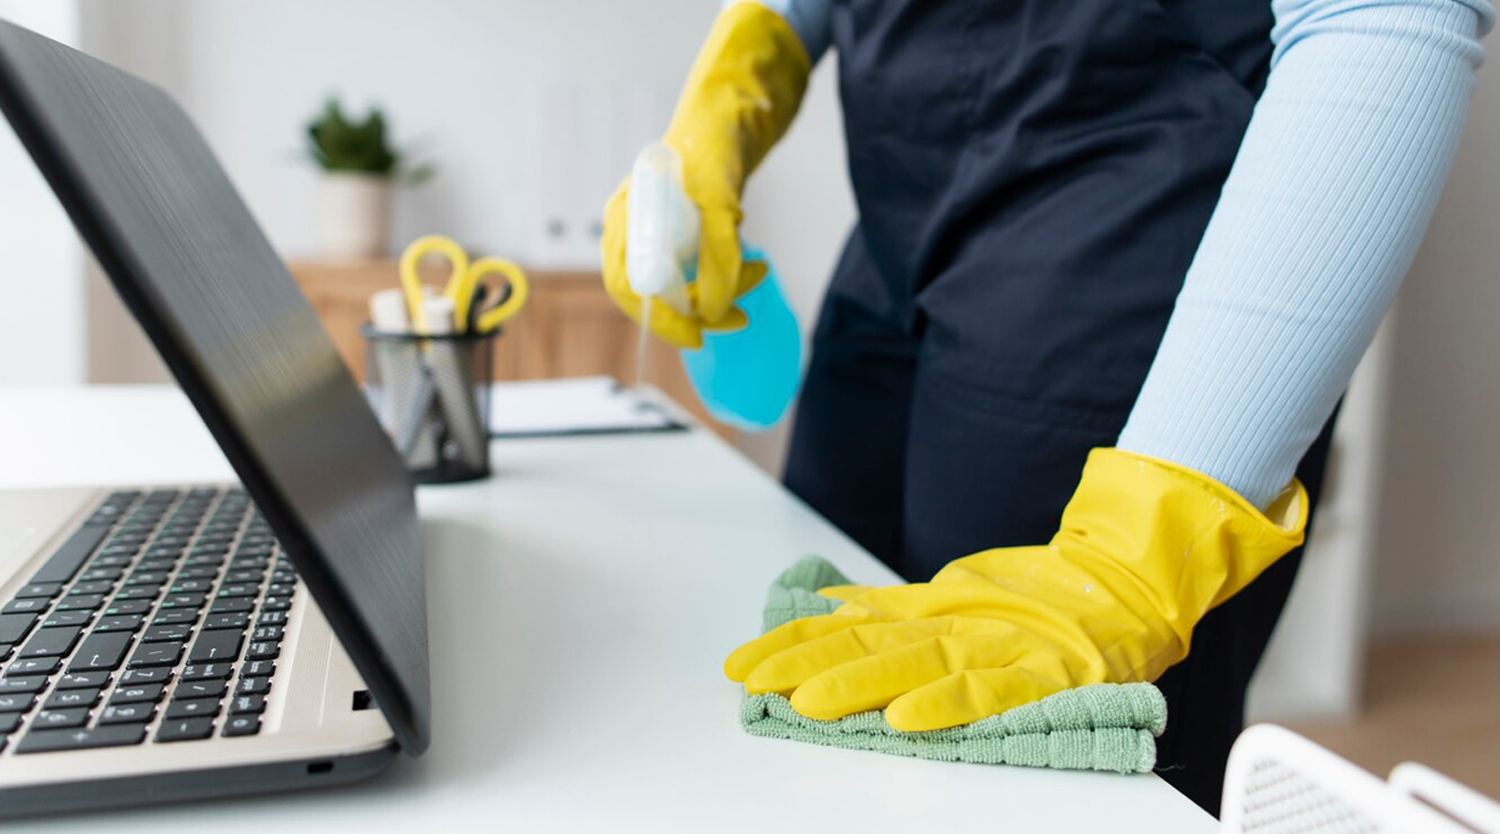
[{"x": 661, "y": 241}]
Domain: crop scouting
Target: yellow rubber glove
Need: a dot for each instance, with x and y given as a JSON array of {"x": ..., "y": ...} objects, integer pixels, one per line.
[
  {"x": 739, "y": 99},
  {"x": 1145, "y": 549}
]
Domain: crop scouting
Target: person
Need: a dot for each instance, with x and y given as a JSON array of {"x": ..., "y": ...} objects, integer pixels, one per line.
[{"x": 1115, "y": 263}]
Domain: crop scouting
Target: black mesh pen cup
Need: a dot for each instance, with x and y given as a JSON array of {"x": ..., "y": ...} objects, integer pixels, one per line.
[{"x": 432, "y": 394}]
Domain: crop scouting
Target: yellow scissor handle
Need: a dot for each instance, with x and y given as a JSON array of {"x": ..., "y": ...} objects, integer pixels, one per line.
[
  {"x": 411, "y": 282},
  {"x": 490, "y": 319}
]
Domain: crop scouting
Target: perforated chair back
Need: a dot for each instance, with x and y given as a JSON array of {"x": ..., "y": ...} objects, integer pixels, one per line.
[{"x": 1280, "y": 783}]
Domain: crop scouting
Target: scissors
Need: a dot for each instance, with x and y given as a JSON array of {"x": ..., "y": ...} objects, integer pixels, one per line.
[{"x": 466, "y": 281}]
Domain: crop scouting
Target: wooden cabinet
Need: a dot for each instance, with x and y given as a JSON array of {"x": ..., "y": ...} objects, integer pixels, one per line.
[{"x": 568, "y": 328}]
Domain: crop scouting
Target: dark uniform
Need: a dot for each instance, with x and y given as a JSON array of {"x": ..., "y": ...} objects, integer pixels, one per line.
[{"x": 1033, "y": 179}]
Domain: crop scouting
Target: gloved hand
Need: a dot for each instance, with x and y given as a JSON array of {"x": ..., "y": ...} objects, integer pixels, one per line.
[
  {"x": 1144, "y": 550},
  {"x": 739, "y": 99}
]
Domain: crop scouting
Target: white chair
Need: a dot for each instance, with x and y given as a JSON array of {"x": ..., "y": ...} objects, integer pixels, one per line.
[{"x": 1280, "y": 783}]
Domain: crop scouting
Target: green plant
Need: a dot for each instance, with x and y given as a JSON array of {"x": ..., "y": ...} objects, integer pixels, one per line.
[{"x": 338, "y": 144}]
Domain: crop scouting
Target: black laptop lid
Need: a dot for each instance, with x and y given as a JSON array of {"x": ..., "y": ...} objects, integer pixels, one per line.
[{"x": 190, "y": 262}]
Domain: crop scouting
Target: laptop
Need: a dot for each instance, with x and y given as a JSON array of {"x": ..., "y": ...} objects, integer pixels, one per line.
[{"x": 201, "y": 640}]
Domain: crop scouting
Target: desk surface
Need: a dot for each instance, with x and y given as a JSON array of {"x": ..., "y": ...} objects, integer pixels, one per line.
[{"x": 613, "y": 574}]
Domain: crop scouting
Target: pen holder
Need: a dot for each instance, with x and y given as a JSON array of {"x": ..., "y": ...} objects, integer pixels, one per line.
[{"x": 432, "y": 394}]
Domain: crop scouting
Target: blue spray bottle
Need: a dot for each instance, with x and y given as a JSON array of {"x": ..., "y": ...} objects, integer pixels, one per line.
[{"x": 746, "y": 378}]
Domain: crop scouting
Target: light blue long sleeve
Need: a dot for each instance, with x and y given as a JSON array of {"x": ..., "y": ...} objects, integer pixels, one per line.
[
  {"x": 810, "y": 19},
  {"x": 1329, "y": 196}
]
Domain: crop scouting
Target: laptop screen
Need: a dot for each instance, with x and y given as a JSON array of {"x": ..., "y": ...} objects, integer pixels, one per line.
[{"x": 190, "y": 262}]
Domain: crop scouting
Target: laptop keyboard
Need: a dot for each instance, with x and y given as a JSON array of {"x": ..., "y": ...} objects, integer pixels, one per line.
[{"x": 161, "y": 617}]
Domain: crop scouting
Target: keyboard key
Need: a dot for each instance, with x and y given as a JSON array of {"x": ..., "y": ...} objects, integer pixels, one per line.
[
  {"x": 263, "y": 650},
  {"x": 158, "y": 562},
  {"x": 123, "y": 622},
  {"x": 127, "y": 713},
  {"x": 242, "y": 725},
  {"x": 71, "y": 556},
  {"x": 82, "y": 602},
  {"x": 146, "y": 577},
  {"x": 185, "y": 729},
  {"x": 63, "y": 619},
  {"x": 15, "y": 686},
  {"x": 258, "y": 669},
  {"x": 113, "y": 735},
  {"x": 201, "y": 560},
  {"x": 99, "y": 586},
  {"x": 13, "y": 627},
  {"x": 191, "y": 707},
  {"x": 17, "y": 702},
  {"x": 137, "y": 693},
  {"x": 25, "y": 606},
  {"x": 156, "y": 654},
  {"x": 200, "y": 572},
  {"x": 183, "y": 601},
  {"x": 32, "y": 666},
  {"x": 128, "y": 606},
  {"x": 139, "y": 676},
  {"x": 65, "y": 698},
  {"x": 158, "y": 633},
  {"x": 116, "y": 554},
  {"x": 280, "y": 589},
  {"x": 51, "y": 642},
  {"x": 9, "y": 721},
  {"x": 139, "y": 592},
  {"x": 199, "y": 689},
  {"x": 111, "y": 573},
  {"x": 271, "y": 618},
  {"x": 241, "y": 589},
  {"x": 241, "y": 704},
  {"x": 243, "y": 576},
  {"x": 190, "y": 586},
  {"x": 211, "y": 646},
  {"x": 101, "y": 652},
  {"x": 262, "y": 633},
  {"x": 45, "y": 590},
  {"x": 52, "y": 719},
  {"x": 252, "y": 686},
  {"x": 236, "y": 621},
  {"x": 6, "y": 649},
  {"x": 226, "y": 606},
  {"x": 207, "y": 671},
  {"x": 83, "y": 680},
  {"x": 176, "y": 616}
]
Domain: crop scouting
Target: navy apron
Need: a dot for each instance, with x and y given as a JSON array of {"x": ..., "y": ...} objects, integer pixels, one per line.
[{"x": 1033, "y": 179}]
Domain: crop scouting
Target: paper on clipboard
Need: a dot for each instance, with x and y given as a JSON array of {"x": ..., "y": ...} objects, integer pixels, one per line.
[{"x": 577, "y": 405}]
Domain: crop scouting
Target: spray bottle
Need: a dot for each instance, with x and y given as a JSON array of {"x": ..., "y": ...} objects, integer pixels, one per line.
[{"x": 746, "y": 378}]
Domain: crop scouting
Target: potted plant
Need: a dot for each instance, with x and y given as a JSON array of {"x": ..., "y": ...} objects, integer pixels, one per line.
[{"x": 354, "y": 192}]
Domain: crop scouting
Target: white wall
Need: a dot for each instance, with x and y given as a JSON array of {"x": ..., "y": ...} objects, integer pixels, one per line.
[
  {"x": 42, "y": 321},
  {"x": 531, "y": 111},
  {"x": 1438, "y": 564}
]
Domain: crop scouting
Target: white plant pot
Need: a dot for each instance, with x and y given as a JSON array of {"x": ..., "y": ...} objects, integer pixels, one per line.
[{"x": 353, "y": 214}]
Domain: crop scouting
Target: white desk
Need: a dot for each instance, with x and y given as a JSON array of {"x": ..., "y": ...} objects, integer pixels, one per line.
[{"x": 577, "y": 633}]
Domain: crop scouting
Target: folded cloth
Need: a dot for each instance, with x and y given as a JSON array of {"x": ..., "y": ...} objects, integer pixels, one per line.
[{"x": 1106, "y": 726}]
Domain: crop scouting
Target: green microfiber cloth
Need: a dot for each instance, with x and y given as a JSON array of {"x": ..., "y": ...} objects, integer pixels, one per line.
[{"x": 1106, "y": 726}]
